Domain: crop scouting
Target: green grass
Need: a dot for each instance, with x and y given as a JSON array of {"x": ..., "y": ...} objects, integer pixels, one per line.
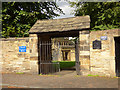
[
  {"x": 115, "y": 77},
  {"x": 93, "y": 75},
  {"x": 65, "y": 64},
  {"x": 19, "y": 72},
  {"x": 101, "y": 76}
]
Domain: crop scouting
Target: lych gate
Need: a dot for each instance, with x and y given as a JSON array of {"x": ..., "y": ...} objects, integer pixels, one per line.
[{"x": 44, "y": 30}]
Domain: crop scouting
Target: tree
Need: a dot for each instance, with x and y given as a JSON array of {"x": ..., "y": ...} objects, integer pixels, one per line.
[
  {"x": 103, "y": 15},
  {"x": 19, "y": 17}
]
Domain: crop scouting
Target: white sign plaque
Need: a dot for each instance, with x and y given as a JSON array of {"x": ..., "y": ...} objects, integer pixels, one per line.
[{"x": 103, "y": 37}]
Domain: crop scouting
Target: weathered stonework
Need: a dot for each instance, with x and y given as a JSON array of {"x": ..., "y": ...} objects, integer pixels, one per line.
[
  {"x": 13, "y": 60},
  {"x": 84, "y": 54},
  {"x": 92, "y": 61},
  {"x": 1, "y": 56},
  {"x": 98, "y": 61},
  {"x": 102, "y": 61},
  {"x": 33, "y": 44}
]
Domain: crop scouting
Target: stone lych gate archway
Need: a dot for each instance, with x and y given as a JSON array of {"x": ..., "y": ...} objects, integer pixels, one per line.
[
  {"x": 98, "y": 51},
  {"x": 44, "y": 30}
]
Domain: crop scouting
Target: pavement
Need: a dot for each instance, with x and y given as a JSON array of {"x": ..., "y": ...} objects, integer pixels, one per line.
[{"x": 64, "y": 79}]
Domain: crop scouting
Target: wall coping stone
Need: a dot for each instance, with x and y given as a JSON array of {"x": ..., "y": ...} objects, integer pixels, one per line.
[{"x": 14, "y": 39}]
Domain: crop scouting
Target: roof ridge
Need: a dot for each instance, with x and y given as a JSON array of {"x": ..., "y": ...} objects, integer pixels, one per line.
[{"x": 63, "y": 18}]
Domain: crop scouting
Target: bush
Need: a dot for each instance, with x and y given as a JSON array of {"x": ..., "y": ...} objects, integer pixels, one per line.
[{"x": 65, "y": 64}]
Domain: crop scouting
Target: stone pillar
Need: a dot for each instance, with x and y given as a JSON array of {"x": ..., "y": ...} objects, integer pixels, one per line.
[
  {"x": 112, "y": 69},
  {"x": 102, "y": 61},
  {"x": 84, "y": 55},
  {"x": 33, "y": 45},
  {"x": 1, "y": 64}
]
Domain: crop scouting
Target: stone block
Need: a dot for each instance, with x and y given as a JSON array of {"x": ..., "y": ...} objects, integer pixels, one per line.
[
  {"x": 33, "y": 58},
  {"x": 34, "y": 67},
  {"x": 32, "y": 35},
  {"x": 84, "y": 53},
  {"x": 20, "y": 55},
  {"x": 21, "y": 59},
  {"x": 27, "y": 55},
  {"x": 82, "y": 42},
  {"x": 105, "y": 54},
  {"x": 81, "y": 48},
  {"x": 86, "y": 48},
  {"x": 84, "y": 67},
  {"x": 84, "y": 32},
  {"x": 26, "y": 65},
  {"x": 84, "y": 62},
  {"x": 84, "y": 57},
  {"x": 85, "y": 72}
]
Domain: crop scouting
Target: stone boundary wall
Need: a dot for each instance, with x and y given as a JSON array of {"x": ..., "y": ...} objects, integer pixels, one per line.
[
  {"x": 12, "y": 59},
  {"x": 92, "y": 61},
  {"x": 98, "y": 61},
  {"x": 102, "y": 61}
]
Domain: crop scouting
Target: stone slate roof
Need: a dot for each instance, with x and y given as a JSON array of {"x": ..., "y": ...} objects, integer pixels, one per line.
[{"x": 65, "y": 24}]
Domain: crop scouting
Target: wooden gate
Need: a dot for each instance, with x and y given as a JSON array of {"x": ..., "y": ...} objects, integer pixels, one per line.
[{"x": 46, "y": 65}]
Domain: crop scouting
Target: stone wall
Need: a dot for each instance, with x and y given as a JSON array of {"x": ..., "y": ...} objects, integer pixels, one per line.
[
  {"x": 98, "y": 61},
  {"x": 92, "y": 61},
  {"x": 33, "y": 46},
  {"x": 102, "y": 61},
  {"x": 0, "y": 56},
  {"x": 84, "y": 55},
  {"x": 12, "y": 59}
]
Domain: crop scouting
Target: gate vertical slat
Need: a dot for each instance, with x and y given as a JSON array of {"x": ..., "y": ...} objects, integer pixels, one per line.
[
  {"x": 40, "y": 57},
  {"x": 47, "y": 50}
]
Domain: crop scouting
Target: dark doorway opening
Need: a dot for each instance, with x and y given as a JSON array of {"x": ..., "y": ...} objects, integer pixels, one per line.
[
  {"x": 117, "y": 55},
  {"x": 66, "y": 55}
]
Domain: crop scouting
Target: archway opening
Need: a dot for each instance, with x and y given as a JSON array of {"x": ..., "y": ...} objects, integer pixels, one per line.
[{"x": 57, "y": 52}]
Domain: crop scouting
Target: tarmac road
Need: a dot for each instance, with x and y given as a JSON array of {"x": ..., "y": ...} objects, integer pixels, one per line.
[{"x": 70, "y": 80}]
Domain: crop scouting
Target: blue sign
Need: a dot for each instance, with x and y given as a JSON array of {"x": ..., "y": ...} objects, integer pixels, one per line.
[
  {"x": 22, "y": 48},
  {"x": 103, "y": 37}
]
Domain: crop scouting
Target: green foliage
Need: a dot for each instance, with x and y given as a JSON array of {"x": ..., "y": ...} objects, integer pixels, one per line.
[
  {"x": 19, "y": 17},
  {"x": 65, "y": 64},
  {"x": 103, "y": 15}
]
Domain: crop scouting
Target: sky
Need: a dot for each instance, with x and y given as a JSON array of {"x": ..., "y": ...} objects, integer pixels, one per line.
[{"x": 64, "y": 5}]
